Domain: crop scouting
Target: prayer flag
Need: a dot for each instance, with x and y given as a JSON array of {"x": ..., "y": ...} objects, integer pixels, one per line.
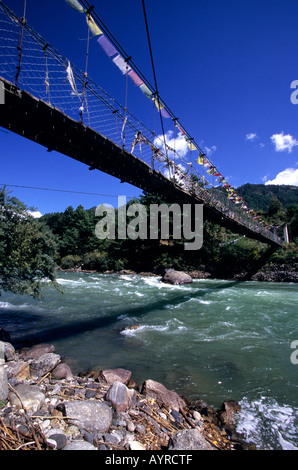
[
  {"x": 147, "y": 92},
  {"x": 158, "y": 104},
  {"x": 165, "y": 113},
  {"x": 161, "y": 107},
  {"x": 93, "y": 26},
  {"x": 181, "y": 130},
  {"x": 135, "y": 78},
  {"x": 107, "y": 46},
  {"x": 121, "y": 64},
  {"x": 75, "y": 5},
  {"x": 123, "y": 127},
  {"x": 71, "y": 79},
  {"x": 200, "y": 160},
  {"x": 190, "y": 144}
]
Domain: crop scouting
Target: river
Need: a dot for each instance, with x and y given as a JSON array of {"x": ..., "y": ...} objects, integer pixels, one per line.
[{"x": 213, "y": 339}]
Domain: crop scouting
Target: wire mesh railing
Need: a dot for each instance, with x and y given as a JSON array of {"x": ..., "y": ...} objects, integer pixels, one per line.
[{"x": 32, "y": 64}]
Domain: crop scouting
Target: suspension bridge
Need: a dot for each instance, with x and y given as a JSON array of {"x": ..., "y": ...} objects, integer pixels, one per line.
[{"x": 50, "y": 101}]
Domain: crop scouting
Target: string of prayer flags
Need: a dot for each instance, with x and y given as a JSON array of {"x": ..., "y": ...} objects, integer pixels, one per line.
[
  {"x": 75, "y": 5},
  {"x": 118, "y": 60},
  {"x": 125, "y": 68}
]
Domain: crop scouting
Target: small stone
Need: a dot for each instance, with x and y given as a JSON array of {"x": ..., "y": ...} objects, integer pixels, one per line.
[
  {"x": 140, "y": 428},
  {"x": 45, "y": 424},
  {"x": 62, "y": 371},
  {"x": 44, "y": 364},
  {"x": 79, "y": 445},
  {"x": 116, "y": 375},
  {"x": 113, "y": 437},
  {"x": 3, "y": 383},
  {"x": 120, "y": 396},
  {"x": 9, "y": 351},
  {"x": 18, "y": 370},
  {"x": 177, "y": 416},
  {"x": 32, "y": 398},
  {"x": 52, "y": 443},
  {"x": 92, "y": 416},
  {"x": 189, "y": 439},
  {"x": 197, "y": 416},
  {"x": 161, "y": 394},
  {"x": 131, "y": 426},
  {"x": 60, "y": 440},
  {"x": 38, "y": 350},
  {"x": 72, "y": 431},
  {"x": 89, "y": 437},
  {"x": 136, "y": 445},
  {"x": 228, "y": 413},
  {"x": 90, "y": 394}
]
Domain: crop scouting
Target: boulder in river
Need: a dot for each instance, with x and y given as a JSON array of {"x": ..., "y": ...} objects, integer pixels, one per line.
[{"x": 176, "y": 277}]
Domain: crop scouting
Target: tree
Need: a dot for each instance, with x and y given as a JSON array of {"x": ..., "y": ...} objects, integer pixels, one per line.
[{"x": 27, "y": 249}]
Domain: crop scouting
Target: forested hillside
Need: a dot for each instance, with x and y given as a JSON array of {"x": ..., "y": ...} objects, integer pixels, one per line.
[
  {"x": 259, "y": 196},
  {"x": 78, "y": 246}
]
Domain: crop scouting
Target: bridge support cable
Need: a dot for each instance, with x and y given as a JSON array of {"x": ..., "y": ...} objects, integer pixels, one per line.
[
  {"x": 20, "y": 46},
  {"x": 153, "y": 69}
]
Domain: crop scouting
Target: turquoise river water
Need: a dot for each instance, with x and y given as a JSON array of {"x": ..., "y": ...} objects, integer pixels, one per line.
[{"x": 215, "y": 340}]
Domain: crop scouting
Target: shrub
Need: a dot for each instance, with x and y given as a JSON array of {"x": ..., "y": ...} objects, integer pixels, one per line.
[{"x": 71, "y": 261}]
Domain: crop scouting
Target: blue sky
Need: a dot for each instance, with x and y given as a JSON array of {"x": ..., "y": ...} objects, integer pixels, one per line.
[{"x": 224, "y": 68}]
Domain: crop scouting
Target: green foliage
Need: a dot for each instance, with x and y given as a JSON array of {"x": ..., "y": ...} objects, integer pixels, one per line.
[
  {"x": 259, "y": 196},
  {"x": 27, "y": 249},
  {"x": 71, "y": 262},
  {"x": 101, "y": 261},
  {"x": 242, "y": 253},
  {"x": 287, "y": 254}
]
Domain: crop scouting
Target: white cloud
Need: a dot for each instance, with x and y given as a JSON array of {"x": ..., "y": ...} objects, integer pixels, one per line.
[
  {"x": 35, "y": 214},
  {"x": 251, "y": 136},
  {"x": 283, "y": 142},
  {"x": 288, "y": 176},
  {"x": 178, "y": 143},
  {"x": 211, "y": 150}
]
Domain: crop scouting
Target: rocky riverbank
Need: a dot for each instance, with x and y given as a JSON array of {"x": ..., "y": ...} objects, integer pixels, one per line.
[
  {"x": 272, "y": 273},
  {"x": 43, "y": 406}
]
